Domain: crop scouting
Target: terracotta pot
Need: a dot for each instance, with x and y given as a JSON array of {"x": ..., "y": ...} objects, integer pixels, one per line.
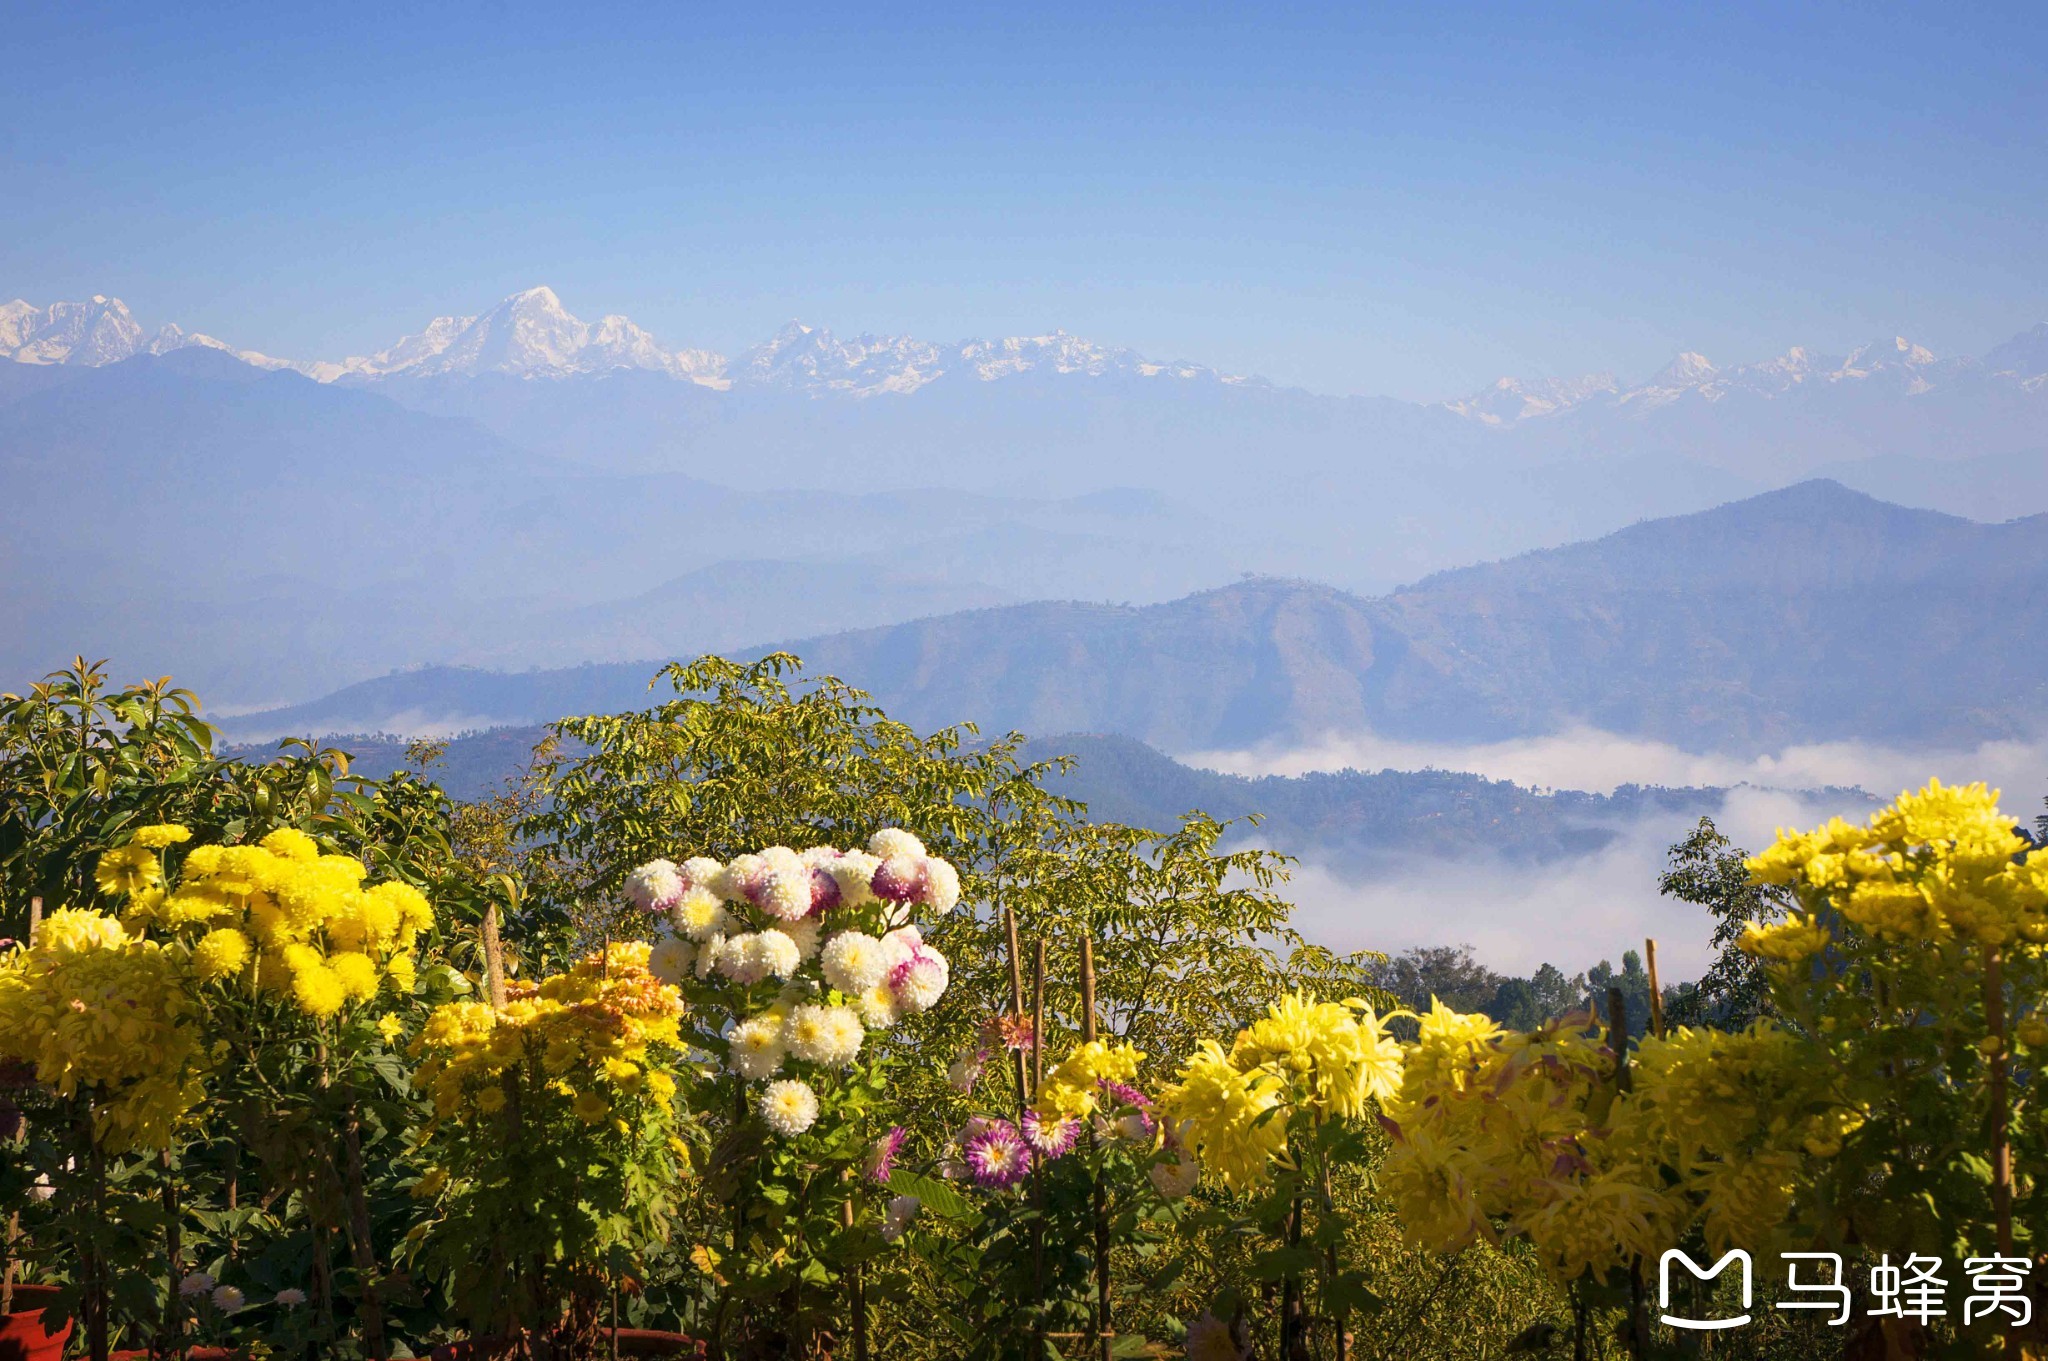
[
  {"x": 21, "y": 1333},
  {"x": 632, "y": 1342}
]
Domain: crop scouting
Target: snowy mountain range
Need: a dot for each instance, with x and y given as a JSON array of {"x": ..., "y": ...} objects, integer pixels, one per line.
[
  {"x": 1897, "y": 363},
  {"x": 530, "y": 335},
  {"x": 98, "y": 331}
]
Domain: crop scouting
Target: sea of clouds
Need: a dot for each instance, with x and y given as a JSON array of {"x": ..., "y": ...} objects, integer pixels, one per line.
[
  {"x": 1592, "y": 759},
  {"x": 1579, "y": 911}
]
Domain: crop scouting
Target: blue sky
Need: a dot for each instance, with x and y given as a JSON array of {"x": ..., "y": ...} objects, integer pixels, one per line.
[{"x": 1350, "y": 198}]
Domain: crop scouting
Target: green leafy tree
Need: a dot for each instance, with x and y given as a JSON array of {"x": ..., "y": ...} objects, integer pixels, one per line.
[{"x": 1706, "y": 870}]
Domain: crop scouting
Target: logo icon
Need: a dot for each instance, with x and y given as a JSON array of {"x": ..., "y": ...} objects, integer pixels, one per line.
[{"x": 1701, "y": 1274}]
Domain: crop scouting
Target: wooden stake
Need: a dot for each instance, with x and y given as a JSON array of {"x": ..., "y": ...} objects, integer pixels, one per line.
[
  {"x": 494, "y": 960},
  {"x": 1016, "y": 1006},
  {"x": 35, "y": 925},
  {"x": 1037, "y": 1016},
  {"x": 1104, "y": 1337},
  {"x": 1037, "y": 1164},
  {"x": 1087, "y": 988},
  {"x": 2001, "y": 1114},
  {"x": 1656, "y": 991},
  {"x": 1617, "y": 1035}
]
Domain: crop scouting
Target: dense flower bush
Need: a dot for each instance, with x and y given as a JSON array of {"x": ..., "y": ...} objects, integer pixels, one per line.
[{"x": 556, "y": 1149}]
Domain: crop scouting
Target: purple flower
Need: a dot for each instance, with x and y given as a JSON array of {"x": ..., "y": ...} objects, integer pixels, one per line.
[
  {"x": 899, "y": 879},
  {"x": 996, "y": 1156},
  {"x": 882, "y": 1154},
  {"x": 1050, "y": 1138},
  {"x": 824, "y": 892},
  {"x": 1135, "y": 1105}
]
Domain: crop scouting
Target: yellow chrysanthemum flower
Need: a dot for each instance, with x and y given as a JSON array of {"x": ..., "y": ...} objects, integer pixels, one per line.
[
  {"x": 220, "y": 953},
  {"x": 128, "y": 869},
  {"x": 357, "y": 975}
]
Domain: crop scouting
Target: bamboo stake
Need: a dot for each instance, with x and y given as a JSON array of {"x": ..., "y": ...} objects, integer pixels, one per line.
[
  {"x": 1656, "y": 991},
  {"x": 494, "y": 960},
  {"x": 2001, "y": 1117},
  {"x": 1016, "y": 1004},
  {"x": 1617, "y": 1036},
  {"x": 859, "y": 1301},
  {"x": 35, "y": 926},
  {"x": 174, "y": 1259},
  {"x": 1037, "y": 1016},
  {"x": 1038, "y": 1164},
  {"x": 362, "y": 1248},
  {"x": 1102, "y": 1333},
  {"x": 1087, "y": 989}
]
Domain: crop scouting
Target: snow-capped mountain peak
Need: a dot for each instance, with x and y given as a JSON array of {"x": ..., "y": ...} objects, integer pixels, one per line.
[
  {"x": 531, "y": 335},
  {"x": 1511, "y": 400},
  {"x": 100, "y": 331},
  {"x": 814, "y": 360},
  {"x": 96, "y": 332},
  {"x": 1894, "y": 364}
]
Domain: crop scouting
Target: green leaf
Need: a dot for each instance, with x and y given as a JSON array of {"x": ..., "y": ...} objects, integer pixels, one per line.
[{"x": 935, "y": 1196}]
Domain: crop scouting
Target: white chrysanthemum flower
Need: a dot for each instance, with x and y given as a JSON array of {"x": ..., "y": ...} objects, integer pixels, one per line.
[
  {"x": 1176, "y": 1179},
  {"x": 773, "y": 954},
  {"x": 895, "y": 841},
  {"x": 965, "y": 1071},
  {"x": 737, "y": 959},
  {"x": 291, "y": 1297},
  {"x": 855, "y": 872},
  {"x": 701, "y": 871},
  {"x": 196, "y": 1283},
  {"x": 756, "y": 1047},
  {"x": 901, "y": 944},
  {"x": 920, "y": 981},
  {"x": 941, "y": 885},
  {"x": 782, "y": 885},
  {"x": 902, "y": 1209},
  {"x": 700, "y": 913},
  {"x": 711, "y": 956},
  {"x": 806, "y": 934},
  {"x": 654, "y": 886},
  {"x": 878, "y": 1007},
  {"x": 671, "y": 960},
  {"x": 789, "y": 1107},
  {"x": 806, "y": 1034},
  {"x": 820, "y": 857},
  {"x": 899, "y": 879},
  {"x": 227, "y": 1299},
  {"x": 854, "y": 962},
  {"x": 737, "y": 878},
  {"x": 844, "y": 1035}
]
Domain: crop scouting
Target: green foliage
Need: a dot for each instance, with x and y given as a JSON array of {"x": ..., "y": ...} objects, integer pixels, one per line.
[{"x": 1706, "y": 870}]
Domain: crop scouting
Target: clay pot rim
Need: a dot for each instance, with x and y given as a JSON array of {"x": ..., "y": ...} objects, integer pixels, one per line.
[{"x": 45, "y": 1293}]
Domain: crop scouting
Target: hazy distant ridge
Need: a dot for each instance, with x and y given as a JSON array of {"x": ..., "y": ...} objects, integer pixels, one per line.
[{"x": 1770, "y": 621}]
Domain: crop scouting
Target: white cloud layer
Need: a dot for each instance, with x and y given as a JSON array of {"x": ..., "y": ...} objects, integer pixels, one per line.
[
  {"x": 1517, "y": 917},
  {"x": 1592, "y": 759}
]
